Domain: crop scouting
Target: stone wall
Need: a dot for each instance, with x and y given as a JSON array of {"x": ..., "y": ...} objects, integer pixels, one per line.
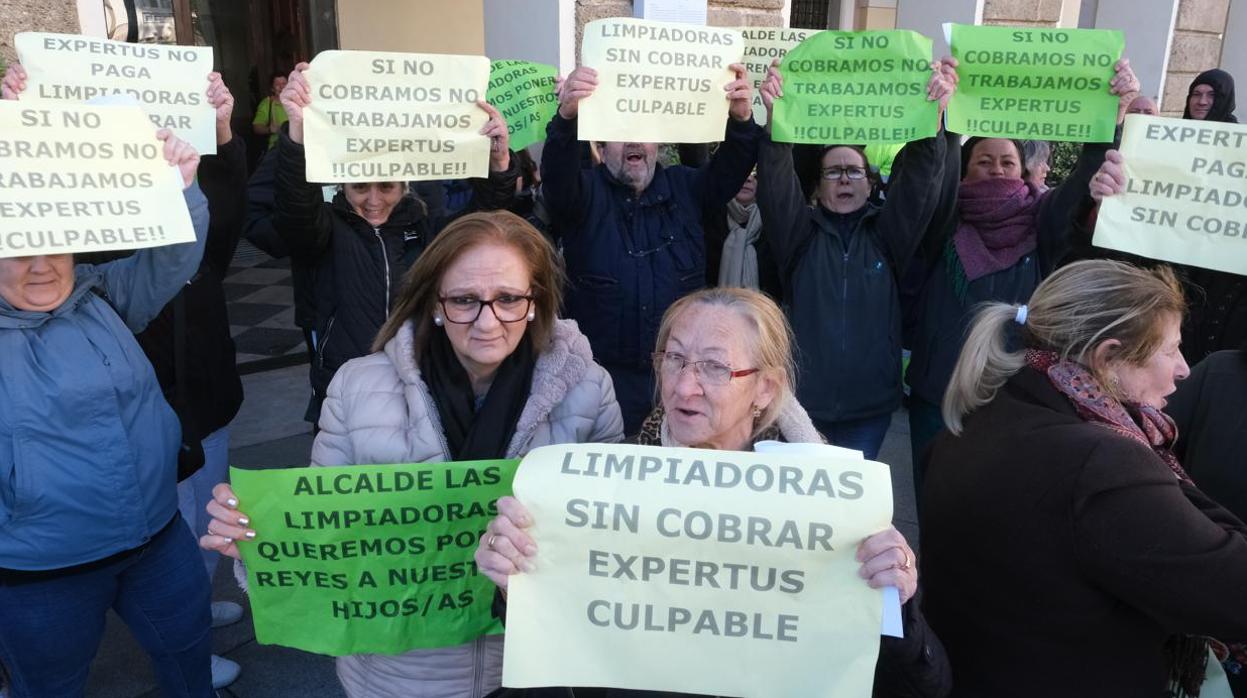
[
  {"x": 1196, "y": 47},
  {"x": 1022, "y": 13},
  {"x": 34, "y": 15},
  {"x": 720, "y": 13}
]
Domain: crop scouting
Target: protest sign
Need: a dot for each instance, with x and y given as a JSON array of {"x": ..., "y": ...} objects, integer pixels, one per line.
[
  {"x": 79, "y": 178},
  {"x": 657, "y": 82},
  {"x": 856, "y": 87},
  {"x": 1186, "y": 194},
  {"x": 524, "y": 93},
  {"x": 763, "y": 45},
  {"x": 170, "y": 82},
  {"x": 736, "y": 569},
  {"x": 386, "y": 117},
  {"x": 370, "y": 558},
  {"x": 1049, "y": 84}
]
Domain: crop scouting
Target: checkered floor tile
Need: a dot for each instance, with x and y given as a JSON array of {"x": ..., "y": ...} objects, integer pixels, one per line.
[{"x": 261, "y": 307}]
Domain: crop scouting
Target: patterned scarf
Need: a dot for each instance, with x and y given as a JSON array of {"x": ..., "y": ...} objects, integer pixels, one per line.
[
  {"x": 1143, "y": 423},
  {"x": 1187, "y": 654}
]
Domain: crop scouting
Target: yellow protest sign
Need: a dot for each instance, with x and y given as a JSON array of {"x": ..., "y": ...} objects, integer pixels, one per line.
[
  {"x": 657, "y": 82},
  {"x": 170, "y": 82},
  {"x": 706, "y": 572},
  {"x": 763, "y": 45},
  {"x": 1185, "y": 194},
  {"x": 77, "y": 178},
  {"x": 385, "y": 117}
]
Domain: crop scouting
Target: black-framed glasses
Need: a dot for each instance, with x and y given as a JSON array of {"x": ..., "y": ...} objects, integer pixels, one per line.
[
  {"x": 853, "y": 173},
  {"x": 671, "y": 364},
  {"x": 464, "y": 310}
]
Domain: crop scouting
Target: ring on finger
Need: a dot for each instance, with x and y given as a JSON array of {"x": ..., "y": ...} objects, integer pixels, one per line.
[
  {"x": 490, "y": 543},
  {"x": 909, "y": 561}
]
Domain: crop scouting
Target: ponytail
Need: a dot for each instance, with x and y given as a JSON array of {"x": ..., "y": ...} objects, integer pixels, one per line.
[{"x": 985, "y": 362}]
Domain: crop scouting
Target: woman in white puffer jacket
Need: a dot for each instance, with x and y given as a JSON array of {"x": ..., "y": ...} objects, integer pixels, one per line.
[{"x": 473, "y": 364}]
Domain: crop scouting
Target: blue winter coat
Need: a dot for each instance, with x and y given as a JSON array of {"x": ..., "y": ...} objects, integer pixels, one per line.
[{"x": 88, "y": 445}]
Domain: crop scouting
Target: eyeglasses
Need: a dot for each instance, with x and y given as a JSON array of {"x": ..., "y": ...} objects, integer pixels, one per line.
[
  {"x": 464, "y": 310},
  {"x": 853, "y": 173},
  {"x": 709, "y": 371}
]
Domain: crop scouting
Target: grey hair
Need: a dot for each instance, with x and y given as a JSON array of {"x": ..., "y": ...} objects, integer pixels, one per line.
[{"x": 1070, "y": 313}]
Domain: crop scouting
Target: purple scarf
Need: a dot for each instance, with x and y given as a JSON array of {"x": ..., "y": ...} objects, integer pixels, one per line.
[{"x": 997, "y": 226}]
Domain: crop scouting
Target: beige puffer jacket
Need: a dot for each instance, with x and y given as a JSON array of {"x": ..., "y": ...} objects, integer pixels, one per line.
[{"x": 379, "y": 410}]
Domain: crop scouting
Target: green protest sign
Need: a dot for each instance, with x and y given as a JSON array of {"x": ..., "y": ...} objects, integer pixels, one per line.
[
  {"x": 524, "y": 93},
  {"x": 370, "y": 558},
  {"x": 856, "y": 87},
  {"x": 1049, "y": 84}
]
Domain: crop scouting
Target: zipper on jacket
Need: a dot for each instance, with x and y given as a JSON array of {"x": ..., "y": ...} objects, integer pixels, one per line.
[
  {"x": 385, "y": 259},
  {"x": 324, "y": 341}
]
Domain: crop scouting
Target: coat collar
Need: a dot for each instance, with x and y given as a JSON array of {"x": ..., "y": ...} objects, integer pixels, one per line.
[
  {"x": 656, "y": 194},
  {"x": 559, "y": 368}
]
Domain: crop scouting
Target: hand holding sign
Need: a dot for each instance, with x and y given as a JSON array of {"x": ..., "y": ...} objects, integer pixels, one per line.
[
  {"x": 888, "y": 561},
  {"x": 14, "y": 82},
  {"x": 296, "y": 96},
  {"x": 943, "y": 83},
  {"x": 181, "y": 155},
  {"x": 1110, "y": 180},
  {"x": 740, "y": 93},
  {"x": 228, "y": 524},
  {"x": 506, "y": 549},
  {"x": 499, "y": 138},
  {"x": 772, "y": 89},
  {"x": 575, "y": 87},
  {"x": 222, "y": 101}
]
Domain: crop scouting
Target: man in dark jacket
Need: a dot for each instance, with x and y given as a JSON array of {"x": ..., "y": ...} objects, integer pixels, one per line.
[
  {"x": 841, "y": 262},
  {"x": 362, "y": 243},
  {"x": 632, "y": 232}
]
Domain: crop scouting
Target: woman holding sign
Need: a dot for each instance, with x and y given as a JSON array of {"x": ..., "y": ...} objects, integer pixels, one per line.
[
  {"x": 843, "y": 260},
  {"x": 472, "y": 365},
  {"x": 364, "y": 241},
  {"x": 88, "y": 461},
  {"x": 1057, "y": 474},
  {"x": 999, "y": 238},
  {"x": 725, "y": 375}
]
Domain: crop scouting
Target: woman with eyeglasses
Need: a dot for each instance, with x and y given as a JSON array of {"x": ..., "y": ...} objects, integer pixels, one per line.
[
  {"x": 471, "y": 365},
  {"x": 842, "y": 260},
  {"x": 725, "y": 378}
]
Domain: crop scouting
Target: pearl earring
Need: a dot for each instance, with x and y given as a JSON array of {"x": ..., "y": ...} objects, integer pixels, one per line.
[
  {"x": 532, "y": 316},
  {"x": 437, "y": 320}
]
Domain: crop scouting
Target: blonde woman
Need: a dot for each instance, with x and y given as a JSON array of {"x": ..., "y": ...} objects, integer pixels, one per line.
[
  {"x": 1065, "y": 550},
  {"x": 725, "y": 375}
]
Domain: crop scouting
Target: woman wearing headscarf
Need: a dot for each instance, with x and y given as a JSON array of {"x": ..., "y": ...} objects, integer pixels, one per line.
[{"x": 999, "y": 239}]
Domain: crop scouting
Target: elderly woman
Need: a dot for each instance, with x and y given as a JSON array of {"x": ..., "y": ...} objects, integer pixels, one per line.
[
  {"x": 361, "y": 243},
  {"x": 472, "y": 365},
  {"x": 88, "y": 466},
  {"x": 725, "y": 376},
  {"x": 1057, "y": 475},
  {"x": 996, "y": 243}
]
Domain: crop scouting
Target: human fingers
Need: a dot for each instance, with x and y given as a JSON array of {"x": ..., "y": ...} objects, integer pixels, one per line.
[
  {"x": 511, "y": 508},
  {"x": 224, "y": 495},
  {"x": 891, "y": 558},
  {"x": 905, "y": 581},
  {"x": 504, "y": 538},
  {"x": 14, "y": 82},
  {"x": 228, "y": 523},
  {"x": 225, "y": 546},
  {"x": 494, "y": 565},
  {"x": 880, "y": 542},
  {"x": 740, "y": 71}
]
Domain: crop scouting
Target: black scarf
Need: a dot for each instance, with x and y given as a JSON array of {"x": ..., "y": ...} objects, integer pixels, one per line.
[
  {"x": 1222, "y": 84},
  {"x": 473, "y": 434}
]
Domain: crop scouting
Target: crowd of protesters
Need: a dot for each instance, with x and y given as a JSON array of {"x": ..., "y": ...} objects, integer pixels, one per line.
[{"x": 1080, "y": 496}]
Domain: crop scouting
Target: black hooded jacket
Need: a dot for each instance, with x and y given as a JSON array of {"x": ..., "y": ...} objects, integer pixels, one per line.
[{"x": 1222, "y": 84}]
